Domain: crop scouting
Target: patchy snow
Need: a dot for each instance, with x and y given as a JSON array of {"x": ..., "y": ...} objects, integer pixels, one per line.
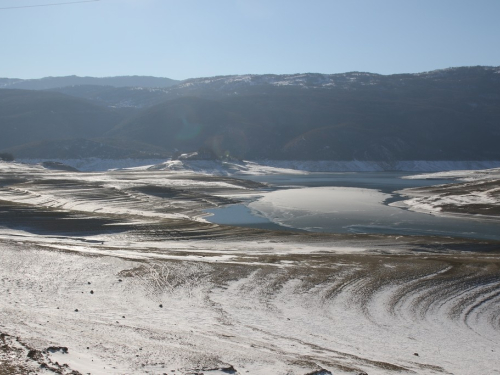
[
  {"x": 258, "y": 167},
  {"x": 478, "y": 193},
  {"x": 377, "y": 166},
  {"x": 436, "y": 202},
  {"x": 305, "y": 80},
  {"x": 141, "y": 301},
  {"x": 222, "y": 168},
  {"x": 97, "y": 164},
  {"x": 166, "y": 316},
  {"x": 461, "y": 175}
]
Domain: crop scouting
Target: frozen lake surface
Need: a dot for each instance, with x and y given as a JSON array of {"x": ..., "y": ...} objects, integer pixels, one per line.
[{"x": 348, "y": 203}]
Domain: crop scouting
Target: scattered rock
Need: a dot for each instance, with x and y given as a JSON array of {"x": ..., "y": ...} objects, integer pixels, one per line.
[
  {"x": 28, "y": 360},
  {"x": 88, "y": 282},
  {"x": 161, "y": 306},
  {"x": 76, "y": 310},
  {"x": 59, "y": 166},
  {"x": 91, "y": 292},
  {"x": 320, "y": 372},
  {"x": 415, "y": 354},
  {"x": 227, "y": 370},
  {"x": 35, "y": 355},
  {"x": 54, "y": 349}
]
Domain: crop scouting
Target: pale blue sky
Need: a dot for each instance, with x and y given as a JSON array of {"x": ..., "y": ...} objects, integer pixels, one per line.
[{"x": 196, "y": 38}]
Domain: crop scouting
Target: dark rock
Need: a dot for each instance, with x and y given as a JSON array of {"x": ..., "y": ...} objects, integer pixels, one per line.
[
  {"x": 228, "y": 370},
  {"x": 59, "y": 166},
  {"x": 320, "y": 372},
  {"x": 54, "y": 349},
  {"x": 35, "y": 355}
]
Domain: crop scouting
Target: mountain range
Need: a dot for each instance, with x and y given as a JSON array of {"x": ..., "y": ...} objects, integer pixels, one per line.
[
  {"x": 59, "y": 82},
  {"x": 450, "y": 114}
]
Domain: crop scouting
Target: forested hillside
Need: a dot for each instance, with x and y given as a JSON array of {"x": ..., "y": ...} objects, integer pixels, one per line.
[{"x": 451, "y": 114}]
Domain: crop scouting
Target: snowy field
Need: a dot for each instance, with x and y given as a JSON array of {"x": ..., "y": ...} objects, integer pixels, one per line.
[
  {"x": 460, "y": 175},
  {"x": 260, "y": 167},
  {"x": 477, "y": 194},
  {"x": 118, "y": 273}
]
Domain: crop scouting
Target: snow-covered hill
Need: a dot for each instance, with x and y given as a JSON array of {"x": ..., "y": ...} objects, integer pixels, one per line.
[
  {"x": 348, "y": 80},
  {"x": 268, "y": 166}
]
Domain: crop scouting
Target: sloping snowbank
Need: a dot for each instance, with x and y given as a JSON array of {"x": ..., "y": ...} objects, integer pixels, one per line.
[
  {"x": 223, "y": 168},
  {"x": 465, "y": 175},
  {"x": 379, "y": 166},
  {"x": 97, "y": 164},
  {"x": 477, "y": 194},
  {"x": 488, "y": 200}
]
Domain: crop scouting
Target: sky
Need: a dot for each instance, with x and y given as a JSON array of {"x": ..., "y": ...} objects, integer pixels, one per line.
[{"x": 183, "y": 39}]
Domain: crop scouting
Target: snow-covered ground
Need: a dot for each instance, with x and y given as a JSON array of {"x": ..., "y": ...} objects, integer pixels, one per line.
[
  {"x": 460, "y": 175},
  {"x": 225, "y": 168},
  {"x": 117, "y": 268},
  {"x": 378, "y": 166},
  {"x": 259, "y": 167},
  {"x": 97, "y": 164},
  {"x": 478, "y": 193}
]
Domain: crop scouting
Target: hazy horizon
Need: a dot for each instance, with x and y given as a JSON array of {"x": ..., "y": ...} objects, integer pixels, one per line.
[{"x": 242, "y": 74}]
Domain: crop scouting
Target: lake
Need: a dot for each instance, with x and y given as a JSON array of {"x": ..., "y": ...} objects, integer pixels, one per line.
[{"x": 346, "y": 203}]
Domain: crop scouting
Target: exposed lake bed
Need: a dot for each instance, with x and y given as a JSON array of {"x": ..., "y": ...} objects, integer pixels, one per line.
[{"x": 123, "y": 270}]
